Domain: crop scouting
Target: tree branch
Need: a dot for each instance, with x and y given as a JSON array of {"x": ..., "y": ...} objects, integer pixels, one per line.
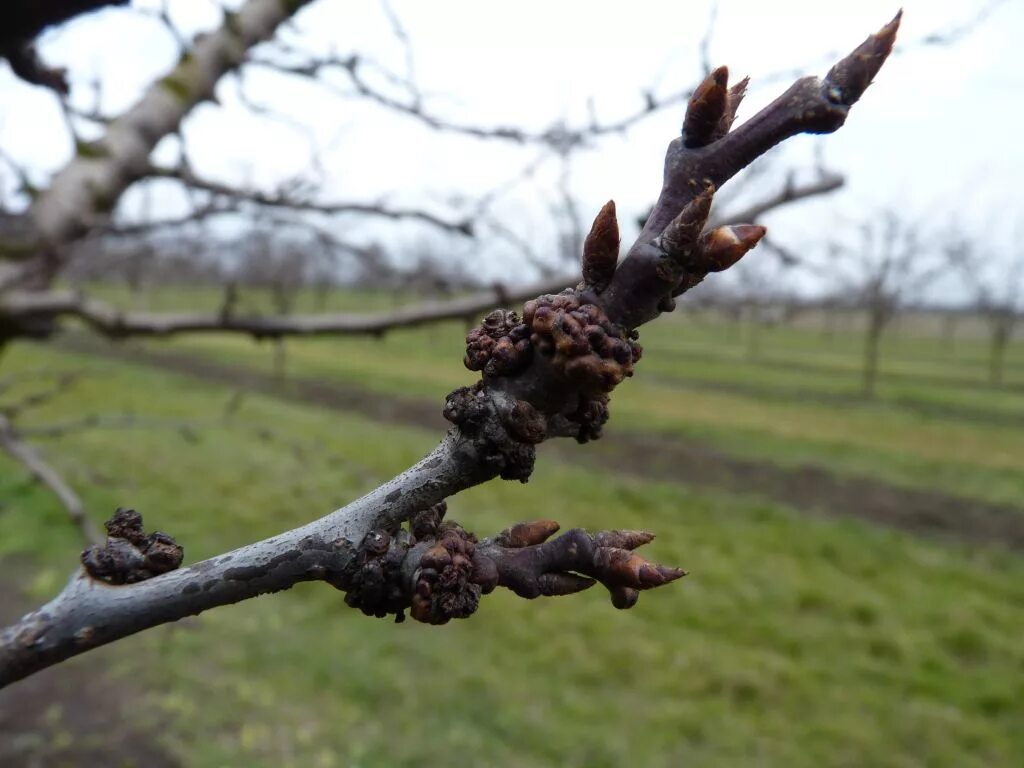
[
  {"x": 41, "y": 310},
  {"x": 791, "y": 192},
  {"x": 88, "y": 187},
  {"x": 24, "y": 20},
  {"x": 284, "y": 200},
  {"x": 27, "y": 456},
  {"x": 544, "y": 375}
]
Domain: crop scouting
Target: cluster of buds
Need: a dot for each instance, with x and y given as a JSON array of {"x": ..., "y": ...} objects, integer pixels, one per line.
[
  {"x": 592, "y": 352},
  {"x": 374, "y": 587},
  {"x": 505, "y": 437},
  {"x": 130, "y": 554},
  {"x": 450, "y": 578},
  {"x": 499, "y": 346}
]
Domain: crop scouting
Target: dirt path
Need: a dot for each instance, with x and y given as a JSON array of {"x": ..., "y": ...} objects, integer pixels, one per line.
[
  {"x": 73, "y": 714},
  {"x": 806, "y": 487}
]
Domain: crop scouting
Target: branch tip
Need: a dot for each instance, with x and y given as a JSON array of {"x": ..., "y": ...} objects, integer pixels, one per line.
[{"x": 849, "y": 78}]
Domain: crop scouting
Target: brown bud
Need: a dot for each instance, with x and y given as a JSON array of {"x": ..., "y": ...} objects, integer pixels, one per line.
[
  {"x": 601, "y": 248},
  {"x": 563, "y": 583},
  {"x": 620, "y": 567},
  {"x": 708, "y": 105},
  {"x": 624, "y": 598},
  {"x": 736, "y": 94},
  {"x": 527, "y": 534},
  {"x": 724, "y": 246},
  {"x": 682, "y": 233},
  {"x": 437, "y": 557},
  {"x": 163, "y": 553},
  {"x": 623, "y": 539},
  {"x": 526, "y": 423},
  {"x": 849, "y": 78}
]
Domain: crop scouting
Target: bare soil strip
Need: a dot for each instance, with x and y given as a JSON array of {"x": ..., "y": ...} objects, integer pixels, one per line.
[{"x": 807, "y": 487}]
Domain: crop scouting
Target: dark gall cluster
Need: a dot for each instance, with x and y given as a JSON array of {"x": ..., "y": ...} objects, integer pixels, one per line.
[
  {"x": 506, "y": 440},
  {"x": 450, "y": 578},
  {"x": 130, "y": 554},
  {"x": 499, "y": 346},
  {"x": 375, "y": 586},
  {"x": 591, "y": 351}
]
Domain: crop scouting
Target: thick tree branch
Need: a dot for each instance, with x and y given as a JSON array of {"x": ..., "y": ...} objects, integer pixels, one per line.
[
  {"x": 24, "y": 20},
  {"x": 546, "y": 374},
  {"x": 88, "y": 614},
  {"x": 85, "y": 191}
]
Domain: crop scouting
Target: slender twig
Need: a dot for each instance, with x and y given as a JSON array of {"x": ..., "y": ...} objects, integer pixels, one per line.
[
  {"x": 29, "y": 458},
  {"x": 111, "y": 321}
]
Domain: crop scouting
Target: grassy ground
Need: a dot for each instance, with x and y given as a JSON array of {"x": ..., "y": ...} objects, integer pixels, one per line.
[
  {"x": 935, "y": 422},
  {"x": 796, "y": 641}
]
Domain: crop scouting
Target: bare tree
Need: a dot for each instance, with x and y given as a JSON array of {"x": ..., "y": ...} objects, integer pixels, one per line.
[
  {"x": 997, "y": 292},
  {"x": 545, "y": 373},
  {"x": 890, "y": 267}
]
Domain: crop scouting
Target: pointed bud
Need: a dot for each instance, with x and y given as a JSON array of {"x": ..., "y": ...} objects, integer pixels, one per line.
[
  {"x": 552, "y": 584},
  {"x": 679, "y": 240},
  {"x": 724, "y": 246},
  {"x": 706, "y": 108},
  {"x": 620, "y": 567},
  {"x": 736, "y": 94},
  {"x": 849, "y": 78},
  {"x": 623, "y": 539},
  {"x": 601, "y": 248},
  {"x": 526, "y": 534}
]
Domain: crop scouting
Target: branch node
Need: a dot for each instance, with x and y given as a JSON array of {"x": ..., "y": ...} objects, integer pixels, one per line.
[{"x": 129, "y": 554}]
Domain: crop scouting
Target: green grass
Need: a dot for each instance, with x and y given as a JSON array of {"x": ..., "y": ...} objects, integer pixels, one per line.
[
  {"x": 934, "y": 423},
  {"x": 795, "y": 641}
]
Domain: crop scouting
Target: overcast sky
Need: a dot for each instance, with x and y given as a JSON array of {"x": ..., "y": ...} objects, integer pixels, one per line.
[{"x": 936, "y": 137}]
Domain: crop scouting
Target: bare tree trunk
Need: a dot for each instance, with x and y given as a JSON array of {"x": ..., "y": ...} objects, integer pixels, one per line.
[
  {"x": 280, "y": 359},
  {"x": 950, "y": 321},
  {"x": 872, "y": 349},
  {"x": 754, "y": 322},
  {"x": 998, "y": 342},
  {"x": 830, "y": 320}
]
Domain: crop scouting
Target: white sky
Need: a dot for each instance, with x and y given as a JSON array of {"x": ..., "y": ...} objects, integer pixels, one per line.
[{"x": 936, "y": 137}]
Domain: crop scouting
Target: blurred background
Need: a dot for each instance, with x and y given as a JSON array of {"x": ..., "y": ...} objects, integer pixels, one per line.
[{"x": 829, "y": 437}]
